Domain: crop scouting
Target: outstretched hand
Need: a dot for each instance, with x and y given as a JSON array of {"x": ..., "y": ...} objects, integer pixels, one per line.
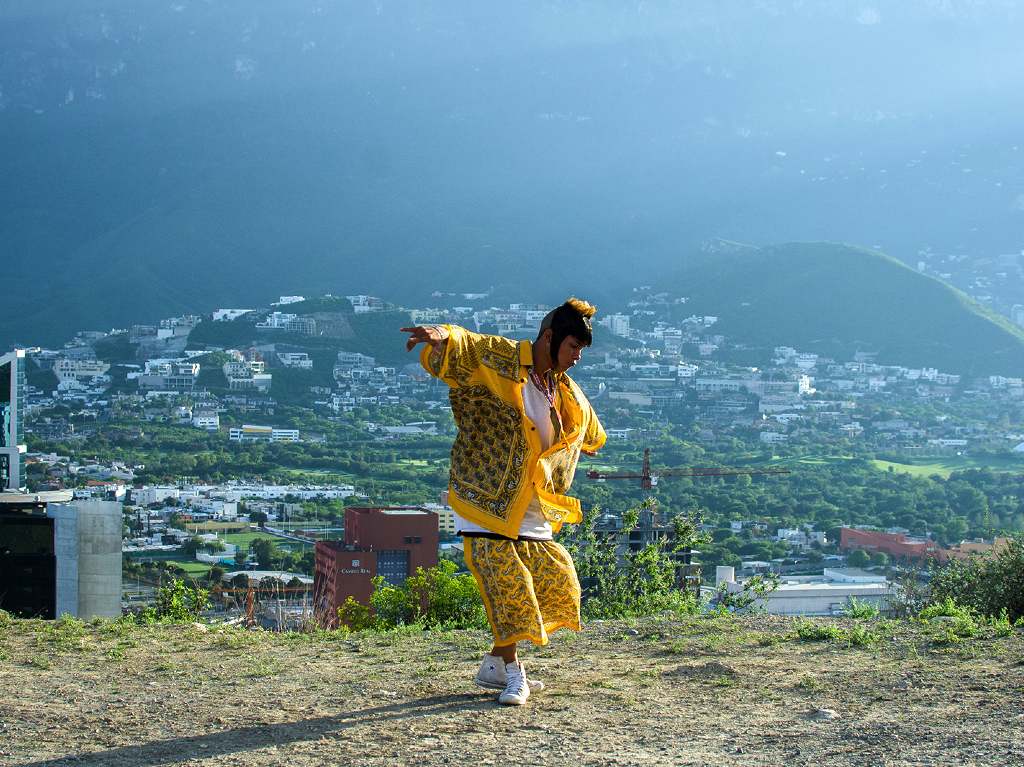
[{"x": 430, "y": 334}]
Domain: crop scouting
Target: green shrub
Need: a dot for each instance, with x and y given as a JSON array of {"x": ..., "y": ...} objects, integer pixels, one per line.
[
  {"x": 1001, "y": 626},
  {"x": 809, "y": 631},
  {"x": 947, "y": 608},
  {"x": 177, "y": 602},
  {"x": 988, "y": 585},
  {"x": 443, "y": 598},
  {"x": 355, "y": 615},
  {"x": 438, "y": 597},
  {"x": 746, "y": 598},
  {"x": 856, "y": 636},
  {"x": 860, "y": 610},
  {"x": 66, "y": 632},
  {"x": 861, "y": 636},
  {"x": 631, "y": 583},
  {"x": 961, "y": 621}
]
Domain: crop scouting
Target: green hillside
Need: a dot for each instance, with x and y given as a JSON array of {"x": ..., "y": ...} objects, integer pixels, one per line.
[{"x": 836, "y": 300}]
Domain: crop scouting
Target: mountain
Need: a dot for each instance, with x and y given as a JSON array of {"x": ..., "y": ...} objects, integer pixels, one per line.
[
  {"x": 169, "y": 157},
  {"x": 836, "y": 300}
]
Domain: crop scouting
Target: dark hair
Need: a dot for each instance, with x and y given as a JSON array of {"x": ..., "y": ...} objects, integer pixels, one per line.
[{"x": 570, "y": 319}]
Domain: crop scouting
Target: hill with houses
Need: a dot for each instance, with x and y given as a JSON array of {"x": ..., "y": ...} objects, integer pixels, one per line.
[{"x": 840, "y": 300}]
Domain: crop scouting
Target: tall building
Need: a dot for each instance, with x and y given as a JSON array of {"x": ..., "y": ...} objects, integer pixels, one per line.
[
  {"x": 392, "y": 542},
  {"x": 56, "y": 556},
  {"x": 12, "y": 431}
]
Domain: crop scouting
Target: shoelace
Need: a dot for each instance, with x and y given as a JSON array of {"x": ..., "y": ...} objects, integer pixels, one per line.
[{"x": 520, "y": 680}]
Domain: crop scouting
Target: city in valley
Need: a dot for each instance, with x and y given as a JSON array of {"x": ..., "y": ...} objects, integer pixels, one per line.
[{"x": 233, "y": 442}]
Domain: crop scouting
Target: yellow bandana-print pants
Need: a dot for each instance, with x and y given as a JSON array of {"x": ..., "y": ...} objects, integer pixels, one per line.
[{"x": 529, "y": 588}]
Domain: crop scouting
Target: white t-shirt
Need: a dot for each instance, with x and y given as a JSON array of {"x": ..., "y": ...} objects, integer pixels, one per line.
[{"x": 534, "y": 524}]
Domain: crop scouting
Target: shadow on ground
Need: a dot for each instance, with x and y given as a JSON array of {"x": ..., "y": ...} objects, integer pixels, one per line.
[{"x": 250, "y": 738}]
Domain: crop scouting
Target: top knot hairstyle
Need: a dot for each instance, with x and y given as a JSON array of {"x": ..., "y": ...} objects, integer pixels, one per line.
[{"x": 570, "y": 319}]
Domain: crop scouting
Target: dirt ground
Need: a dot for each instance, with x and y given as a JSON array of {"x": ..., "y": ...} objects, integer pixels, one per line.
[{"x": 696, "y": 691}]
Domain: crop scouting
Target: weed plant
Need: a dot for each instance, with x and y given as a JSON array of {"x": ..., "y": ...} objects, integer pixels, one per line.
[
  {"x": 857, "y": 635},
  {"x": 859, "y": 610}
]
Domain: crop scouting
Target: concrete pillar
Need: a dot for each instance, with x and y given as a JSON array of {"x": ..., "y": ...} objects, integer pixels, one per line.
[
  {"x": 99, "y": 558},
  {"x": 65, "y": 549},
  {"x": 724, "y": 574},
  {"x": 87, "y": 545}
]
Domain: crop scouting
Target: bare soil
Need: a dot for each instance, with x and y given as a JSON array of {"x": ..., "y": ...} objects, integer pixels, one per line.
[{"x": 694, "y": 691}]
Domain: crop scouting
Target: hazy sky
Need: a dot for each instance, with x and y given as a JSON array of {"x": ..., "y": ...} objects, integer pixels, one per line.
[{"x": 147, "y": 141}]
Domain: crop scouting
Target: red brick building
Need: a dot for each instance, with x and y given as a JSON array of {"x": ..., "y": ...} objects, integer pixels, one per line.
[
  {"x": 896, "y": 545},
  {"x": 390, "y": 541}
]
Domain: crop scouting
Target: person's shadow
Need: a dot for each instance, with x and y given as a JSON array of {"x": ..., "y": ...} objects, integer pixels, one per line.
[{"x": 223, "y": 742}]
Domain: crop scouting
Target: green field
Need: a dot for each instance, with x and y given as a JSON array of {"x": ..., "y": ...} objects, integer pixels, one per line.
[
  {"x": 242, "y": 540},
  {"x": 321, "y": 476},
  {"x": 193, "y": 567},
  {"x": 947, "y": 465}
]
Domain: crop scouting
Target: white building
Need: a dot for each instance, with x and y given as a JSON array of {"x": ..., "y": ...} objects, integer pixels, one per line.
[
  {"x": 239, "y": 492},
  {"x": 445, "y": 517},
  {"x": 826, "y": 594},
  {"x": 362, "y": 304},
  {"x": 618, "y": 324},
  {"x": 250, "y": 433},
  {"x": 229, "y": 315},
  {"x": 208, "y": 421},
  {"x": 169, "y": 375},
  {"x": 948, "y": 442},
  {"x": 146, "y": 496},
  {"x": 74, "y": 374},
  {"x": 242, "y": 375},
  {"x": 299, "y": 360},
  {"x": 686, "y": 372},
  {"x": 276, "y": 320},
  {"x": 217, "y": 508}
]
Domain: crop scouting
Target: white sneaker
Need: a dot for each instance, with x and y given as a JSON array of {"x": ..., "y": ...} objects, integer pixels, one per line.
[
  {"x": 517, "y": 689},
  {"x": 492, "y": 675}
]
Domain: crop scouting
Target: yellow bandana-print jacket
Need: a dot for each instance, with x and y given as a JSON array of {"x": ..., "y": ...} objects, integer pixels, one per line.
[{"x": 497, "y": 462}]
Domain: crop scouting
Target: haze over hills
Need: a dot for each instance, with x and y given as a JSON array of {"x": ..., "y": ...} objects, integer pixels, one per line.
[
  {"x": 837, "y": 300},
  {"x": 831, "y": 299},
  {"x": 164, "y": 158}
]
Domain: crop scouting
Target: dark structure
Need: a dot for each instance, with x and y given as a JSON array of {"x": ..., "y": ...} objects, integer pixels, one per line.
[
  {"x": 390, "y": 541},
  {"x": 28, "y": 561},
  {"x": 59, "y": 556}
]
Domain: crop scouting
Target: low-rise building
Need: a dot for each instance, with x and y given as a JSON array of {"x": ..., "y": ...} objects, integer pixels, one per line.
[
  {"x": 826, "y": 594},
  {"x": 169, "y": 375},
  {"x": 206, "y": 420},
  {"x": 251, "y": 433},
  {"x": 897, "y": 545},
  {"x": 392, "y": 542}
]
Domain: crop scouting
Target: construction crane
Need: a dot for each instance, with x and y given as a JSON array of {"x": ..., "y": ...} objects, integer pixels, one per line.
[
  {"x": 688, "y": 572},
  {"x": 649, "y": 479}
]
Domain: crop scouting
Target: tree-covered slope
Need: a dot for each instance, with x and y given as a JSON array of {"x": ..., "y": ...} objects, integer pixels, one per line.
[{"x": 836, "y": 300}]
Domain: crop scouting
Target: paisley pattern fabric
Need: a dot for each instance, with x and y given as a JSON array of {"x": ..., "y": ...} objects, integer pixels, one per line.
[
  {"x": 529, "y": 588},
  {"x": 498, "y": 463},
  {"x": 499, "y": 354},
  {"x": 489, "y": 451}
]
